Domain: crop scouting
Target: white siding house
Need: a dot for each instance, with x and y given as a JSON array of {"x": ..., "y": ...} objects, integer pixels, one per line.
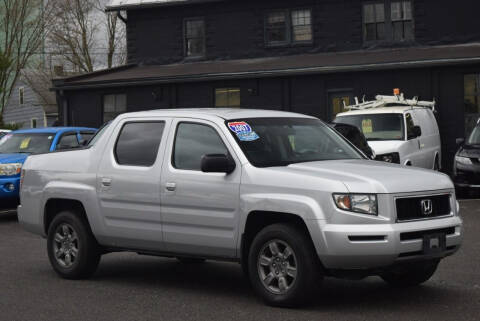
[{"x": 31, "y": 104}]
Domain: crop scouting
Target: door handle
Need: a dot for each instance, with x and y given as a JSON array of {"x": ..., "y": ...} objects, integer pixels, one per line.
[
  {"x": 171, "y": 187},
  {"x": 106, "y": 182}
]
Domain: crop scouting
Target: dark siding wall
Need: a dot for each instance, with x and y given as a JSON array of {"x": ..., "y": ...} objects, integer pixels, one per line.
[
  {"x": 235, "y": 29},
  {"x": 446, "y": 21},
  {"x": 303, "y": 94}
]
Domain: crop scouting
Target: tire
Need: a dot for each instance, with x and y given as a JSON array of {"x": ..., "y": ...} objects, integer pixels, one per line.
[
  {"x": 281, "y": 282},
  {"x": 190, "y": 260},
  {"x": 70, "y": 234},
  {"x": 412, "y": 274}
]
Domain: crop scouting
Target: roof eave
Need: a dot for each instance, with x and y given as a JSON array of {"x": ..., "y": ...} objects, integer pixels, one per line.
[
  {"x": 155, "y": 5},
  {"x": 266, "y": 73}
]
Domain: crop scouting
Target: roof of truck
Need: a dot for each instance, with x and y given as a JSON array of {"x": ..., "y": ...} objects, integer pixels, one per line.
[
  {"x": 224, "y": 113},
  {"x": 51, "y": 130},
  {"x": 380, "y": 110}
]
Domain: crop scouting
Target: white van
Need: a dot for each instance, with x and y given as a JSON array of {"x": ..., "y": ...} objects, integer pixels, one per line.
[{"x": 398, "y": 130}]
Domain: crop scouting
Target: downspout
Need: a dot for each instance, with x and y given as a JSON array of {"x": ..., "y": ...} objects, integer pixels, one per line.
[{"x": 119, "y": 15}]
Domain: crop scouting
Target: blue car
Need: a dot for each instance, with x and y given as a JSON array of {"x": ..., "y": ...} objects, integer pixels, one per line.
[{"x": 16, "y": 146}]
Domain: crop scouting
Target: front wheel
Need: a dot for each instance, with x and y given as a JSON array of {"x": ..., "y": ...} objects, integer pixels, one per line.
[
  {"x": 411, "y": 275},
  {"x": 283, "y": 266},
  {"x": 72, "y": 249}
]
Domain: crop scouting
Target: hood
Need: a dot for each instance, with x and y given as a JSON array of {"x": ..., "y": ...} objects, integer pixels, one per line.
[
  {"x": 363, "y": 176},
  {"x": 386, "y": 147},
  {"x": 469, "y": 151},
  {"x": 13, "y": 158}
]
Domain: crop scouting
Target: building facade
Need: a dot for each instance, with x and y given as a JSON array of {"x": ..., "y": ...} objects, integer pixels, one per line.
[
  {"x": 31, "y": 104},
  {"x": 306, "y": 56}
]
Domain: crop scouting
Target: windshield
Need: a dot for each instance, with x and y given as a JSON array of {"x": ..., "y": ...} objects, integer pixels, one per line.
[
  {"x": 377, "y": 127},
  {"x": 26, "y": 143},
  {"x": 474, "y": 138},
  {"x": 98, "y": 134},
  {"x": 271, "y": 142}
]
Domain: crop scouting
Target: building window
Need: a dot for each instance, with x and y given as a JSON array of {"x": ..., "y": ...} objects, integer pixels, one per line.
[
  {"x": 472, "y": 101},
  {"x": 388, "y": 21},
  {"x": 114, "y": 105},
  {"x": 276, "y": 28},
  {"x": 227, "y": 97},
  {"x": 33, "y": 123},
  {"x": 288, "y": 27},
  {"x": 374, "y": 20},
  {"x": 21, "y": 95},
  {"x": 301, "y": 26},
  {"x": 195, "y": 38},
  {"x": 402, "y": 21}
]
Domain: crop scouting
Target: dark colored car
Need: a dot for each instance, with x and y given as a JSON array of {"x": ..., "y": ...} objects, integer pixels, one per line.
[
  {"x": 355, "y": 136},
  {"x": 466, "y": 168}
]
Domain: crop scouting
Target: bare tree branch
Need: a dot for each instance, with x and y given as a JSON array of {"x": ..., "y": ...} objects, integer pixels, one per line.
[{"x": 23, "y": 25}]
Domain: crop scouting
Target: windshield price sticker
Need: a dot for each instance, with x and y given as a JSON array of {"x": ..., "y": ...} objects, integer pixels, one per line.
[
  {"x": 25, "y": 143},
  {"x": 243, "y": 131},
  {"x": 367, "y": 126}
]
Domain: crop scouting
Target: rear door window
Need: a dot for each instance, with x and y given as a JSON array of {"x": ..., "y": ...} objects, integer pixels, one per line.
[{"x": 138, "y": 143}]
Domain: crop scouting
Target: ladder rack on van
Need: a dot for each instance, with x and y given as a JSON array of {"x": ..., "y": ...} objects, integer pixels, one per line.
[{"x": 385, "y": 101}]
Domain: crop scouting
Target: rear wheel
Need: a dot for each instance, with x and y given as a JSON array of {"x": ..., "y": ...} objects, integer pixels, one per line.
[
  {"x": 283, "y": 266},
  {"x": 411, "y": 275},
  {"x": 72, "y": 249}
]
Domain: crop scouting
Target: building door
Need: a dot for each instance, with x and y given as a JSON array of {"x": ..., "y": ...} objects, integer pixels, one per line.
[
  {"x": 472, "y": 101},
  {"x": 337, "y": 100}
]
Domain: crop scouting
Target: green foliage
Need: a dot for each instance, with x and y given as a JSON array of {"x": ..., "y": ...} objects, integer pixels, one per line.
[{"x": 13, "y": 126}]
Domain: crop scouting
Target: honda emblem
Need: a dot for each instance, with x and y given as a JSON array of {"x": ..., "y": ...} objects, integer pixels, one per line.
[{"x": 427, "y": 207}]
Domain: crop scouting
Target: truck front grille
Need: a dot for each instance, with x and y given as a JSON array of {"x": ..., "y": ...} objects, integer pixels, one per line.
[{"x": 423, "y": 207}]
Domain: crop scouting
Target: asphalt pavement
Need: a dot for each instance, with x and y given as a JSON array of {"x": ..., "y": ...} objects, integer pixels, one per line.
[{"x": 128, "y": 286}]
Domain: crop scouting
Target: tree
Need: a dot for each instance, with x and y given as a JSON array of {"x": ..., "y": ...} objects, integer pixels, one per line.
[
  {"x": 85, "y": 36},
  {"x": 22, "y": 26}
]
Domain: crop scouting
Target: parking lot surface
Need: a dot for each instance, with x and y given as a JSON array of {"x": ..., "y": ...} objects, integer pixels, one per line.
[{"x": 128, "y": 286}]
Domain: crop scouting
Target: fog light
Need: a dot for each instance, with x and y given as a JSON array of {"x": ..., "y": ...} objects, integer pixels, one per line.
[{"x": 10, "y": 187}]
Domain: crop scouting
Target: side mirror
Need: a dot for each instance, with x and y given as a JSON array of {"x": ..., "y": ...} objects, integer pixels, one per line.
[
  {"x": 217, "y": 163},
  {"x": 416, "y": 132},
  {"x": 460, "y": 141}
]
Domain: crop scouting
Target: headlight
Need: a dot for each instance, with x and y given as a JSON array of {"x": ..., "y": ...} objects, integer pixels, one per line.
[
  {"x": 393, "y": 158},
  {"x": 358, "y": 203},
  {"x": 463, "y": 160},
  {"x": 10, "y": 169}
]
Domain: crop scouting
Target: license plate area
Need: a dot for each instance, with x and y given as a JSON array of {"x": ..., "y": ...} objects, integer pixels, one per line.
[{"x": 434, "y": 244}]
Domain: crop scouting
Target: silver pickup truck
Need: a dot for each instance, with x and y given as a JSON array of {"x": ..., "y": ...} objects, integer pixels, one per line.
[{"x": 281, "y": 193}]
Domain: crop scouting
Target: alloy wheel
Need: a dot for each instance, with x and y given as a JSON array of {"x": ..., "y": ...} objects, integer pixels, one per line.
[
  {"x": 277, "y": 266},
  {"x": 65, "y": 245}
]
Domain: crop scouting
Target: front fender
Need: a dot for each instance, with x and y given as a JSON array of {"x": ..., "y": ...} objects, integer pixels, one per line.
[{"x": 305, "y": 207}]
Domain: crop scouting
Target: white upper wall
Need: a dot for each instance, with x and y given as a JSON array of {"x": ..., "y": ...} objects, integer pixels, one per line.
[{"x": 122, "y": 3}]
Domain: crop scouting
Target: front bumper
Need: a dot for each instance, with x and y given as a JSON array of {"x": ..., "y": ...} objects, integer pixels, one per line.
[
  {"x": 349, "y": 247},
  {"x": 467, "y": 176},
  {"x": 9, "y": 192}
]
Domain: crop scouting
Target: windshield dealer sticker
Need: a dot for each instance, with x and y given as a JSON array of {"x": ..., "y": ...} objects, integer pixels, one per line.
[
  {"x": 367, "y": 127},
  {"x": 243, "y": 131},
  {"x": 25, "y": 143}
]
